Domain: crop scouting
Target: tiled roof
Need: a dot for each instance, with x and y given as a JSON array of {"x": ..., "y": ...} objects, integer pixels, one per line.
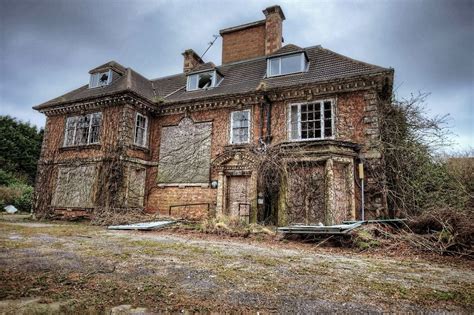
[
  {"x": 110, "y": 65},
  {"x": 239, "y": 77},
  {"x": 129, "y": 81},
  {"x": 203, "y": 67},
  {"x": 246, "y": 76},
  {"x": 286, "y": 50}
]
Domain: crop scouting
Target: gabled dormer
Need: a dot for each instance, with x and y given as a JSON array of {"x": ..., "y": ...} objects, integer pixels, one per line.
[{"x": 105, "y": 74}]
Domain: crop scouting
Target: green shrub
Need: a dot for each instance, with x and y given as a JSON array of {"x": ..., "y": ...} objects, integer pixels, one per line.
[{"x": 18, "y": 195}]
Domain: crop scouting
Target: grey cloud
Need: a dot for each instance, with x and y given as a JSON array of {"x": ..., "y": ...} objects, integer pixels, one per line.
[{"x": 47, "y": 47}]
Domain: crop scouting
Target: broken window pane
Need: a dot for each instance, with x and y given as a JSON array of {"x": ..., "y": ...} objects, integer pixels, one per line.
[
  {"x": 201, "y": 80},
  {"x": 205, "y": 80},
  {"x": 100, "y": 79},
  {"x": 83, "y": 130}
]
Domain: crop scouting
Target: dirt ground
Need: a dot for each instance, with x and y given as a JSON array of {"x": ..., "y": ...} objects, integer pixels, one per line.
[{"x": 77, "y": 268}]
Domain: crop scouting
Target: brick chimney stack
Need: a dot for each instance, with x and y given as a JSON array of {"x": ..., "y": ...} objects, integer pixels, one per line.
[
  {"x": 191, "y": 60},
  {"x": 274, "y": 18},
  {"x": 253, "y": 39}
]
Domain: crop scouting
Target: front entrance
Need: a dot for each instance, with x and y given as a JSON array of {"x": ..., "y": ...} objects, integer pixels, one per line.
[{"x": 238, "y": 197}]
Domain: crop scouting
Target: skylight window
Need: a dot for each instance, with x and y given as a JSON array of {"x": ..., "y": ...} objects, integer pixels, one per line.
[
  {"x": 203, "y": 80},
  {"x": 286, "y": 64},
  {"x": 100, "y": 79}
]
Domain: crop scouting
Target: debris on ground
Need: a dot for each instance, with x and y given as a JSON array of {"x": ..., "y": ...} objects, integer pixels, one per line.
[
  {"x": 145, "y": 226},
  {"x": 10, "y": 209}
]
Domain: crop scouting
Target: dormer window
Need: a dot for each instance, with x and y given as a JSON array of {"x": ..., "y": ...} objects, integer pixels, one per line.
[
  {"x": 286, "y": 64},
  {"x": 203, "y": 80},
  {"x": 100, "y": 79}
]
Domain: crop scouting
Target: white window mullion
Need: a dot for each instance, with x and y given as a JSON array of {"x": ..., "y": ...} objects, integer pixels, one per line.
[
  {"x": 75, "y": 130},
  {"x": 299, "y": 121},
  {"x": 145, "y": 133}
]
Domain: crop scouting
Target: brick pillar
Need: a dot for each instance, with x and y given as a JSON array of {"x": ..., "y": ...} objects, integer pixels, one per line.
[
  {"x": 191, "y": 60},
  {"x": 220, "y": 195},
  {"x": 330, "y": 194},
  {"x": 274, "y": 18}
]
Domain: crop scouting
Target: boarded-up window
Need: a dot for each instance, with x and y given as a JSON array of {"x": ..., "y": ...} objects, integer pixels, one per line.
[
  {"x": 306, "y": 192},
  {"x": 136, "y": 186},
  {"x": 74, "y": 187},
  {"x": 185, "y": 153}
]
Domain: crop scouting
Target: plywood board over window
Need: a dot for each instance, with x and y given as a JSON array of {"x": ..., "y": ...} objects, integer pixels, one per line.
[
  {"x": 136, "y": 186},
  {"x": 185, "y": 153},
  {"x": 75, "y": 186}
]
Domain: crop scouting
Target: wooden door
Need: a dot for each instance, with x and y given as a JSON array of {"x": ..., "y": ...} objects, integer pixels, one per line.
[{"x": 238, "y": 196}]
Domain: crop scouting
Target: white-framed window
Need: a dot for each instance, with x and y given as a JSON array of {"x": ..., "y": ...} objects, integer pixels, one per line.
[
  {"x": 141, "y": 130},
  {"x": 203, "y": 80},
  {"x": 286, "y": 64},
  {"x": 83, "y": 130},
  {"x": 100, "y": 79},
  {"x": 311, "y": 121},
  {"x": 240, "y": 127}
]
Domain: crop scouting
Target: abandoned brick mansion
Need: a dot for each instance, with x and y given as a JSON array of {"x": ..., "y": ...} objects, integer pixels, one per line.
[{"x": 274, "y": 134}]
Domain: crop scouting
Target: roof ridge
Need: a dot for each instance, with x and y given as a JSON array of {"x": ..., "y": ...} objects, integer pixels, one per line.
[{"x": 167, "y": 76}]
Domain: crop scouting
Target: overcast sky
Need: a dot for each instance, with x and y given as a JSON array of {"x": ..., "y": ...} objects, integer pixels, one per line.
[{"x": 47, "y": 47}]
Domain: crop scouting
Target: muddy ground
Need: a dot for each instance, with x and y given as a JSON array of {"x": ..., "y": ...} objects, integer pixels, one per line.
[{"x": 77, "y": 268}]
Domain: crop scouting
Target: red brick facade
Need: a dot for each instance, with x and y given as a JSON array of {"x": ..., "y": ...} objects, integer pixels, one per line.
[{"x": 233, "y": 178}]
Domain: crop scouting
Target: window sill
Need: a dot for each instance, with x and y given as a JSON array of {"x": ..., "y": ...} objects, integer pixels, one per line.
[
  {"x": 140, "y": 148},
  {"x": 238, "y": 145},
  {"x": 81, "y": 147},
  {"x": 184, "y": 185},
  {"x": 311, "y": 139}
]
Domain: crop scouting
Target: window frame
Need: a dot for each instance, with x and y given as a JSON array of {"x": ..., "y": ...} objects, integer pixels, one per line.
[
  {"x": 303, "y": 64},
  {"x": 214, "y": 81},
  {"x": 231, "y": 132},
  {"x": 322, "y": 119},
  {"x": 145, "y": 132},
  {"x": 89, "y": 134},
  {"x": 98, "y": 74}
]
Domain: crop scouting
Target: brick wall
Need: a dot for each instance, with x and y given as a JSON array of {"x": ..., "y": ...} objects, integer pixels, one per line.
[
  {"x": 243, "y": 44},
  {"x": 161, "y": 199}
]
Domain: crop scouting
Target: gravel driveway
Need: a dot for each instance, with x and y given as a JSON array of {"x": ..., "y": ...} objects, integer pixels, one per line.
[{"x": 70, "y": 268}]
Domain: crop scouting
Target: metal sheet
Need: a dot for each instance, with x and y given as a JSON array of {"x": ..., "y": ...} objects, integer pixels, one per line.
[
  {"x": 142, "y": 226},
  {"x": 316, "y": 229}
]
